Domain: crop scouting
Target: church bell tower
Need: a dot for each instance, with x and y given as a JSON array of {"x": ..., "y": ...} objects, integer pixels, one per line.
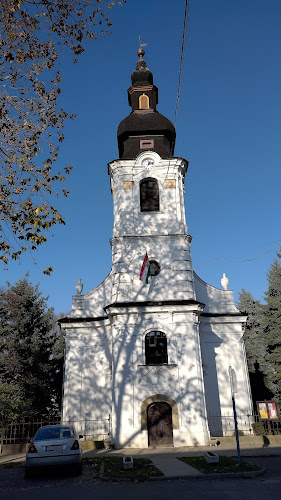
[{"x": 147, "y": 185}]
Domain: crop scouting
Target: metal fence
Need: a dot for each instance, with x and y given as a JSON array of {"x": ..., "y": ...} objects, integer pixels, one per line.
[
  {"x": 247, "y": 425},
  {"x": 93, "y": 430},
  {"x": 100, "y": 429},
  {"x": 22, "y": 431}
]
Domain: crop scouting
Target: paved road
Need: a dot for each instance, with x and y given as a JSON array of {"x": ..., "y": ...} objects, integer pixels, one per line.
[{"x": 13, "y": 486}]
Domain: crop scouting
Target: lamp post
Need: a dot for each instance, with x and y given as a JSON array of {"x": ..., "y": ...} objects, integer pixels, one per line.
[{"x": 233, "y": 385}]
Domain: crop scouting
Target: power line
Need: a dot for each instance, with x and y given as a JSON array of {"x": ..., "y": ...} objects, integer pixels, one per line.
[
  {"x": 182, "y": 55},
  {"x": 186, "y": 12},
  {"x": 238, "y": 261}
]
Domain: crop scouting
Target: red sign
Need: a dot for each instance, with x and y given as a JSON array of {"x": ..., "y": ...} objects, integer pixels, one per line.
[{"x": 267, "y": 410}]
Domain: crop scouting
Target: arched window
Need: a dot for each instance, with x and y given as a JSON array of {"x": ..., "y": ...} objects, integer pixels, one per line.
[
  {"x": 149, "y": 195},
  {"x": 144, "y": 102},
  {"x": 156, "y": 348}
]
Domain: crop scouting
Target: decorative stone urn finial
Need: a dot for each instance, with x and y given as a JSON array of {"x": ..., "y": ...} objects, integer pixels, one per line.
[
  {"x": 79, "y": 287},
  {"x": 224, "y": 282}
]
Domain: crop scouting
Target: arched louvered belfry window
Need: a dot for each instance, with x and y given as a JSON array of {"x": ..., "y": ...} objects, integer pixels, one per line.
[
  {"x": 149, "y": 195},
  {"x": 144, "y": 102},
  {"x": 156, "y": 348}
]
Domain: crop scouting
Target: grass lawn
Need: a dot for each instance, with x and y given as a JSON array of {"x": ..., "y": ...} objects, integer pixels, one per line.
[
  {"x": 113, "y": 467},
  {"x": 226, "y": 464}
]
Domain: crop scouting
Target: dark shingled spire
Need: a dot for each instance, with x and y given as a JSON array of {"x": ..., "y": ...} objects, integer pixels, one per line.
[
  {"x": 141, "y": 75},
  {"x": 145, "y": 128}
]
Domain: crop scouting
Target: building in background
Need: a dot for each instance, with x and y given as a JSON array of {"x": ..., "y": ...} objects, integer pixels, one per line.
[{"x": 152, "y": 356}]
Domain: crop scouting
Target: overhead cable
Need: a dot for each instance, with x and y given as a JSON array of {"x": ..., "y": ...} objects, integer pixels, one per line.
[
  {"x": 182, "y": 55},
  {"x": 238, "y": 261}
]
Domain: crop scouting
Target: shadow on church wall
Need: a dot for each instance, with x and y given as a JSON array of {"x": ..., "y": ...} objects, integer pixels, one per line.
[
  {"x": 92, "y": 372},
  {"x": 212, "y": 395},
  {"x": 87, "y": 382},
  {"x": 91, "y": 369},
  {"x": 259, "y": 390}
]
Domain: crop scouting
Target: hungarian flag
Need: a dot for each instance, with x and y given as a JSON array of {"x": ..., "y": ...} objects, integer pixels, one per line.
[{"x": 144, "y": 272}]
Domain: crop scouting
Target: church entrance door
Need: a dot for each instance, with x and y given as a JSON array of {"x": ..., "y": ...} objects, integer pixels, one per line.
[{"x": 159, "y": 424}]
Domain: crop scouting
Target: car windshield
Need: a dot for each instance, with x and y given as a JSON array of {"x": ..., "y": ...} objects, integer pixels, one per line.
[{"x": 54, "y": 433}]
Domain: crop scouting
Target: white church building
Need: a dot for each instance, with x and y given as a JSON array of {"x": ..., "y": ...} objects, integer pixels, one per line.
[{"x": 153, "y": 358}]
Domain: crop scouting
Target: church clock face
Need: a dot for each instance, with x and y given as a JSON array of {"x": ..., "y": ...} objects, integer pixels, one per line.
[{"x": 148, "y": 163}]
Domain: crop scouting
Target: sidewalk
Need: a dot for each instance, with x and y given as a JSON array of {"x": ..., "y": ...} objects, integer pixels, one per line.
[
  {"x": 165, "y": 458},
  {"x": 11, "y": 457}
]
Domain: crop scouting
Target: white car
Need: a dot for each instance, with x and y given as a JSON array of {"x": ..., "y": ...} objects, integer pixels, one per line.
[{"x": 54, "y": 445}]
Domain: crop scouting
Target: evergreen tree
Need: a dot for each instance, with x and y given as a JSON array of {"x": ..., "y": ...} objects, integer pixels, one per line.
[
  {"x": 255, "y": 345},
  {"x": 272, "y": 329},
  {"x": 11, "y": 400},
  {"x": 253, "y": 336},
  {"x": 28, "y": 339},
  {"x": 58, "y": 363}
]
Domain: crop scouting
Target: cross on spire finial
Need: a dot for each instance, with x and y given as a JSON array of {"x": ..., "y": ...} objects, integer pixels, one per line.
[{"x": 141, "y": 52}]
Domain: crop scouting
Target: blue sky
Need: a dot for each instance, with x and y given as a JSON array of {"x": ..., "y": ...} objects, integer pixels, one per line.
[{"x": 228, "y": 128}]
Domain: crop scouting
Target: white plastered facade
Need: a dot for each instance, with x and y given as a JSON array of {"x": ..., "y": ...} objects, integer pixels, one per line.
[{"x": 105, "y": 364}]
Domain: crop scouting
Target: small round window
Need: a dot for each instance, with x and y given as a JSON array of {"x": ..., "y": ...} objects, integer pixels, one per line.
[{"x": 154, "y": 268}]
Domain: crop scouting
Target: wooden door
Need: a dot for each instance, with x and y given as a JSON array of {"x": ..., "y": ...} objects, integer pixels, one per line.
[{"x": 159, "y": 424}]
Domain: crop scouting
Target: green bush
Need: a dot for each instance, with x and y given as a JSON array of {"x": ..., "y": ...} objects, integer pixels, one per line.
[
  {"x": 258, "y": 428},
  {"x": 240, "y": 433}
]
